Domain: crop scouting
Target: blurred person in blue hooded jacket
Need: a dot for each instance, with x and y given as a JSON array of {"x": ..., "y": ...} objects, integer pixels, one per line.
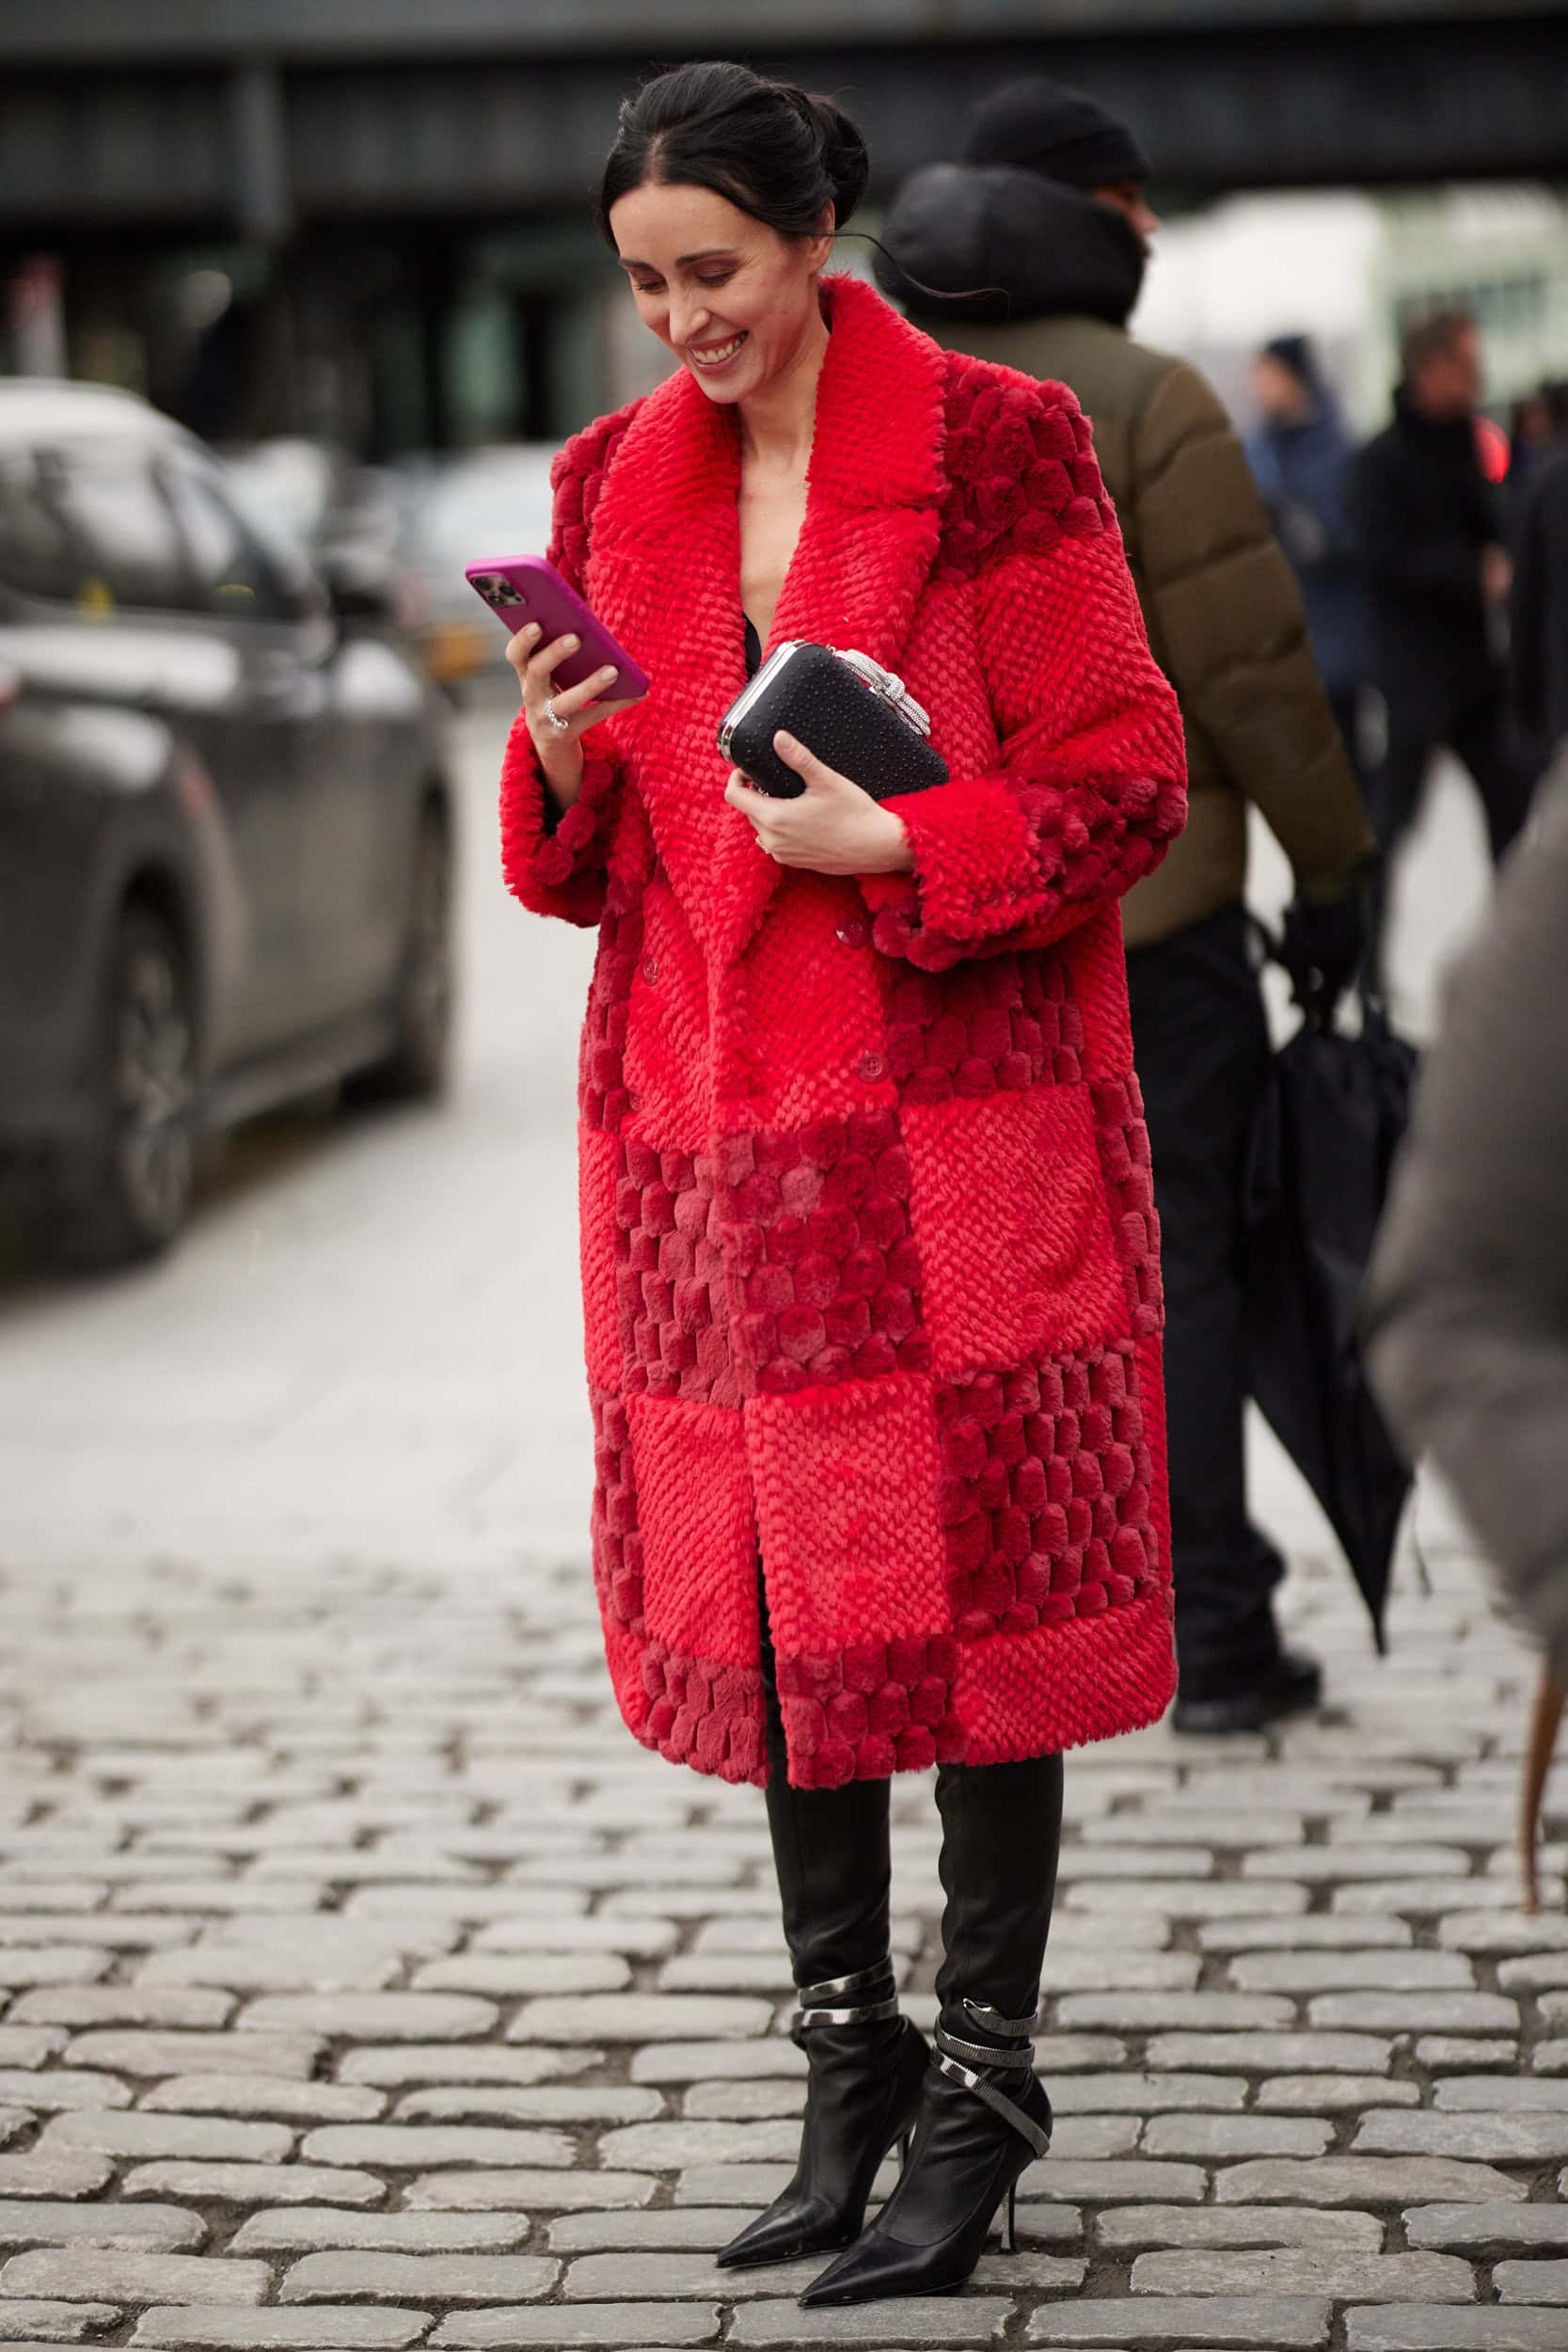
[{"x": 1302, "y": 455}]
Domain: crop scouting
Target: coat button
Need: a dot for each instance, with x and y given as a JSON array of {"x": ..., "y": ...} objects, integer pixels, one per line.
[
  {"x": 852, "y": 931},
  {"x": 872, "y": 1065},
  {"x": 650, "y": 969}
]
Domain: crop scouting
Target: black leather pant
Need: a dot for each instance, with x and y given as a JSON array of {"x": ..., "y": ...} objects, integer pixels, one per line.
[{"x": 1001, "y": 1835}]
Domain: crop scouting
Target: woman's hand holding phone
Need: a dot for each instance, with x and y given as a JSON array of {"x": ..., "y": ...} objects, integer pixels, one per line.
[{"x": 559, "y": 748}]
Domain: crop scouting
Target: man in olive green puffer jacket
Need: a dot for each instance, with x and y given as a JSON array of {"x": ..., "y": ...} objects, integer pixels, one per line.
[{"x": 1041, "y": 236}]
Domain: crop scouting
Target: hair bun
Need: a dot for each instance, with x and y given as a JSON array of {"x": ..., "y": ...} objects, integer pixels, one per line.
[
  {"x": 844, "y": 154},
  {"x": 769, "y": 148}
]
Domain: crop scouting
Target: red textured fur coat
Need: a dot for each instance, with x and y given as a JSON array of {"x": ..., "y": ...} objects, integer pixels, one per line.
[{"x": 869, "y": 1255}]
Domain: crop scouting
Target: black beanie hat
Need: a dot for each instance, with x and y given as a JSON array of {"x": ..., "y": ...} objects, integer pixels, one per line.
[{"x": 1059, "y": 133}]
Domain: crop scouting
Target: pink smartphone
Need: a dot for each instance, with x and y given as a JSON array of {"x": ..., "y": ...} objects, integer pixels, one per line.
[{"x": 527, "y": 588}]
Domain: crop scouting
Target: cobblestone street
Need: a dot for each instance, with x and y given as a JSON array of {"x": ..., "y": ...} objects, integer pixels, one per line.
[
  {"x": 362, "y": 1984},
  {"x": 343, "y": 2008}
]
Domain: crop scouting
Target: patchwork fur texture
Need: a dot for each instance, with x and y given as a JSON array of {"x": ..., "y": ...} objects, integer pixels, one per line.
[{"x": 870, "y": 1258}]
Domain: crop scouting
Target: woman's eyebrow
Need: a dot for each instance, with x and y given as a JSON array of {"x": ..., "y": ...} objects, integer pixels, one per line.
[{"x": 684, "y": 261}]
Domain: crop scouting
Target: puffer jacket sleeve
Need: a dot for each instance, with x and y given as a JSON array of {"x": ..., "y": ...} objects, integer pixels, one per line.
[
  {"x": 1089, "y": 786},
  {"x": 555, "y": 861},
  {"x": 1467, "y": 1311},
  {"x": 1228, "y": 616}
]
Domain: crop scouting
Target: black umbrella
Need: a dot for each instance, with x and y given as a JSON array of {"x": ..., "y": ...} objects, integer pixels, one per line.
[{"x": 1328, "y": 1127}]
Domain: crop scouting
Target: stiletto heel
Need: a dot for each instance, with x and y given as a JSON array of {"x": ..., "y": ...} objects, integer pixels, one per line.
[
  {"x": 868, "y": 2065},
  {"x": 965, "y": 2167}
]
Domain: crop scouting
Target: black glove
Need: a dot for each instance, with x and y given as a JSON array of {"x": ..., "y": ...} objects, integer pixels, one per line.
[{"x": 1322, "y": 949}]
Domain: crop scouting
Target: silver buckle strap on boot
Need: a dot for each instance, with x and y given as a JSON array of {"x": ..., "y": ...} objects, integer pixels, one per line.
[
  {"x": 982, "y": 2052},
  {"x": 823, "y": 2004},
  {"x": 994, "y": 2022},
  {"x": 958, "y": 2060}
]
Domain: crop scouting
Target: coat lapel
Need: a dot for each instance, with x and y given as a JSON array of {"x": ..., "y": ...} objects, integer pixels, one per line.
[
  {"x": 665, "y": 575},
  {"x": 662, "y": 574}
]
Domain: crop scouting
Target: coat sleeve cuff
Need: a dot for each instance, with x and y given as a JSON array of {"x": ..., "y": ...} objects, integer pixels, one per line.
[
  {"x": 976, "y": 867},
  {"x": 554, "y": 859},
  {"x": 999, "y": 866}
]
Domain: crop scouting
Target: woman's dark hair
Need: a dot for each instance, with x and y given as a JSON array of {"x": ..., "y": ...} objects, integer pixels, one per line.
[{"x": 770, "y": 149}]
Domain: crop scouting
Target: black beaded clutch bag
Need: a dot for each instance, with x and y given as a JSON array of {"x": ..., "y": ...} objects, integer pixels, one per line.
[{"x": 846, "y": 707}]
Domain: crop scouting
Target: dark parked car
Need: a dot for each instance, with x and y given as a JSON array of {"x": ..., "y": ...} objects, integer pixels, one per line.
[
  {"x": 226, "y": 834},
  {"x": 342, "y": 512}
]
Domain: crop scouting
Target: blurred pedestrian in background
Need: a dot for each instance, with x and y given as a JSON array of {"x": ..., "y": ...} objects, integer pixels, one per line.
[
  {"x": 1302, "y": 458},
  {"x": 1431, "y": 530},
  {"x": 1468, "y": 1306},
  {"x": 1043, "y": 233},
  {"x": 1538, "y": 612},
  {"x": 1535, "y": 430}
]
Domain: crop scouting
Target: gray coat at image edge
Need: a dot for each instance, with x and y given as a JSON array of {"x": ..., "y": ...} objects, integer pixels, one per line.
[{"x": 1467, "y": 1308}]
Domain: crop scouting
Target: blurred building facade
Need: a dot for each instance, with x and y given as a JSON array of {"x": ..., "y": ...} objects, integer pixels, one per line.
[
  {"x": 1355, "y": 270},
  {"x": 369, "y": 220}
]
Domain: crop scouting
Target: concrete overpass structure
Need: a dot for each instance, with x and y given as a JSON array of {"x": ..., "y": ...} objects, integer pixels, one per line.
[
  {"x": 174, "y": 118},
  {"x": 378, "y": 189}
]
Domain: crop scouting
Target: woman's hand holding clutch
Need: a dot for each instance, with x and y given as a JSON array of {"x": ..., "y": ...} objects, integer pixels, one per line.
[{"x": 832, "y": 828}]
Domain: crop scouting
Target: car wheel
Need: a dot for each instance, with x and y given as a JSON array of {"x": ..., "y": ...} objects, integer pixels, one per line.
[
  {"x": 419, "y": 1064},
  {"x": 125, "y": 1192}
]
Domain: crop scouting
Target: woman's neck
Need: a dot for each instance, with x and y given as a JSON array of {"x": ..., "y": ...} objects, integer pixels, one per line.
[{"x": 777, "y": 423}]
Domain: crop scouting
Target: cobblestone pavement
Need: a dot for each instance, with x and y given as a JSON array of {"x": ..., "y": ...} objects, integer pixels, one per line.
[{"x": 362, "y": 1984}]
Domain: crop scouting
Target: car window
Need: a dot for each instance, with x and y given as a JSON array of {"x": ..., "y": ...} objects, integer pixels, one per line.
[
  {"x": 37, "y": 554},
  {"x": 238, "y": 568},
  {"x": 124, "y": 547}
]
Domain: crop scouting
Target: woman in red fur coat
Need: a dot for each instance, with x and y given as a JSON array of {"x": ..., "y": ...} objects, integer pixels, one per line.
[{"x": 869, "y": 1256}]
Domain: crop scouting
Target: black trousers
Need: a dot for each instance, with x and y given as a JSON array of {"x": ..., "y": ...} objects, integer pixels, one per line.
[
  {"x": 1201, "y": 1046},
  {"x": 1001, "y": 1837},
  {"x": 1478, "y": 733},
  {"x": 1346, "y": 707}
]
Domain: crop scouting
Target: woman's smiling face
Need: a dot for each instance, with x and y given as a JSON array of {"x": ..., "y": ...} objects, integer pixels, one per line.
[{"x": 736, "y": 302}]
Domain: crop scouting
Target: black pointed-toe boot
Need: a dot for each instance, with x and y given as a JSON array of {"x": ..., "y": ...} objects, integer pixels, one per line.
[
  {"x": 865, "y": 2062},
  {"x": 867, "y": 2066},
  {"x": 984, "y": 2117},
  {"x": 982, "y": 2123}
]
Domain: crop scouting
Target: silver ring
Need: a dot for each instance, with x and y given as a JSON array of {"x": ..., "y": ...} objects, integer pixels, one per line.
[{"x": 562, "y": 726}]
